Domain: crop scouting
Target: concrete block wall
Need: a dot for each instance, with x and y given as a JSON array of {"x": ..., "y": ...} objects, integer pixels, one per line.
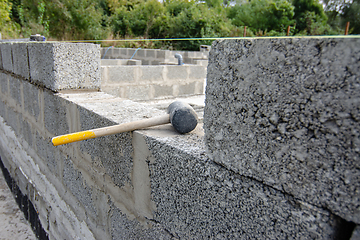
[
  {"x": 153, "y": 82},
  {"x": 56, "y": 66},
  {"x": 155, "y": 56},
  {"x": 148, "y": 184},
  {"x": 285, "y": 112}
]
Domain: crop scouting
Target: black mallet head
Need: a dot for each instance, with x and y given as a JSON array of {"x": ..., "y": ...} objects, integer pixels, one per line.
[{"x": 182, "y": 117}]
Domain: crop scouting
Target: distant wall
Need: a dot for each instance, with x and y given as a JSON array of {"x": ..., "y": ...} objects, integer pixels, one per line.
[
  {"x": 286, "y": 112},
  {"x": 153, "y": 82},
  {"x": 155, "y": 56}
]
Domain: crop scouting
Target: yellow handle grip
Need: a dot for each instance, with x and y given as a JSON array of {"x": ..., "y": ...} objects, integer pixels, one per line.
[
  {"x": 99, "y": 132},
  {"x": 73, "y": 137}
]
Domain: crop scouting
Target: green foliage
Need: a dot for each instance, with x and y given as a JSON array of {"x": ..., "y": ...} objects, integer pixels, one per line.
[
  {"x": 150, "y": 19},
  {"x": 352, "y": 14},
  {"x": 263, "y": 15},
  {"x": 307, "y": 11},
  {"x": 5, "y": 9}
]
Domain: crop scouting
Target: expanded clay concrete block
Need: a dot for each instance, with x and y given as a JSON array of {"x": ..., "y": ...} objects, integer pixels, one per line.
[
  {"x": 123, "y": 228},
  {"x": 15, "y": 89},
  {"x": 6, "y": 56},
  {"x": 20, "y": 59},
  {"x": 176, "y": 72},
  {"x": 74, "y": 181},
  {"x": 139, "y": 92},
  {"x": 286, "y": 112},
  {"x": 151, "y": 74},
  {"x": 114, "y": 152},
  {"x": 151, "y": 53},
  {"x": 197, "y": 72},
  {"x": 55, "y": 114},
  {"x": 187, "y": 89},
  {"x": 163, "y": 91},
  {"x": 121, "y": 74},
  {"x": 4, "y": 82},
  {"x": 197, "y": 198},
  {"x": 31, "y": 99},
  {"x": 60, "y": 66}
]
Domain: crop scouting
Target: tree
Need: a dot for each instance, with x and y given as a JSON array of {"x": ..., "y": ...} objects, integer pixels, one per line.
[
  {"x": 352, "y": 14},
  {"x": 5, "y": 9},
  {"x": 264, "y": 15},
  {"x": 306, "y": 12}
]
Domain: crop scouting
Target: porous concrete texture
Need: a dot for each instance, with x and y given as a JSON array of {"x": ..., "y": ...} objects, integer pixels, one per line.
[
  {"x": 56, "y": 66},
  {"x": 153, "y": 82},
  {"x": 60, "y": 66},
  {"x": 146, "y": 184},
  {"x": 286, "y": 113}
]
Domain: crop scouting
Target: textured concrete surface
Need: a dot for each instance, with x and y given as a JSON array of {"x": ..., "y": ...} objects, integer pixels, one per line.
[
  {"x": 286, "y": 112},
  {"x": 13, "y": 224},
  {"x": 59, "y": 66},
  {"x": 147, "y": 184}
]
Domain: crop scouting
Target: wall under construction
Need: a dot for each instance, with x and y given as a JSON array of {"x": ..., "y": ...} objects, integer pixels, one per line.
[{"x": 157, "y": 184}]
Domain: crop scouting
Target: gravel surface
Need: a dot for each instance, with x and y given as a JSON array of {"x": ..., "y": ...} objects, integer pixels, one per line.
[{"x": 13, "y": 224}]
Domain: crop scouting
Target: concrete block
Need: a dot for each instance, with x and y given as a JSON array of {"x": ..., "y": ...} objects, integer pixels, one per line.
[
  {"x": 15, "y": 89},
  {"x": 6, "y": 54},
  {"x": 60, "y": 66},
  {"x": 4, "y": 82},
  {"x": 141, "y": 53},
  {"x": 114, "y": 152},
  {"x": 13, "y": 120},
  {"x": 197, "y": 72},
  {"x": 196, "y": 198},
  {"x": 116, "y": 52},
  {"x": 151, "y": 53},
  {"x": 31, "y": 99},
  {"x": 176, "y": 72},
  {"x": 26, "y": 132},
  {"x": 3, "y": 109},
  {"x": 123, "y": 228},
  {"x": 286, "y": 112},
  {"x": 139, "y": 92},
  {"x": 151, "y": 74},
  {"x": 21, "y": 59},
  {"x": 74, "y": 181},
  {"x": 160, "y": 54},
  {"x": 130, "y": 52},
  {"x": 124, "y": 52},
  {"x": 121, "y": 74},
  {"x": 133, "y": 62},
  {"x": 55, "y": 114},
  {"x": 48, "y": 153},
  {"x": 187, "y": 89},
  {"x": 162, "y": 91}
]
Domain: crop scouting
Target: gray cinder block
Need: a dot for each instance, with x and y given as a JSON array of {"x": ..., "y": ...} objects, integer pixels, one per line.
[
  {"x": 55, "y": 114},
  {"x": 20, "y": 59},
  {"x": 196, "y": 198},
  {"x": 6, "y": 56},
  {"x": 286, "y": 112},
  {"x": 60, "y": 66}
]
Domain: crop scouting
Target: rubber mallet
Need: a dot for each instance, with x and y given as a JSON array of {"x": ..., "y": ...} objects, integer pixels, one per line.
[{"x": 181, "y": 116}]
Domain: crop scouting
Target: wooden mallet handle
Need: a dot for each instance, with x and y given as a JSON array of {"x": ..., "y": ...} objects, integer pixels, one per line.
[
  {"x": 181, "y": 115},
  {"x": 99, "y": 132}
]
